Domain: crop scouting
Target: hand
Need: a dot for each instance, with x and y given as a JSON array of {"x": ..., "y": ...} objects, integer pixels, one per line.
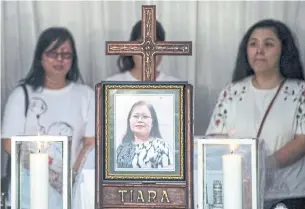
[
  {"x": 271, "y": 166},
  {"x": 271, "y": 163},
  {"x": 74, "y": 175},
  {"x": 248, "y": 193},
  {"x": 56, "y": 180}
]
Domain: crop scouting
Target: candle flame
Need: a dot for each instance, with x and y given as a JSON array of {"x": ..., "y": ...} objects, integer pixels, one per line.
[
  {"x": 41, "y": 144},
  {"x": 38, "y": 146},
  {"x": 233, "y": 147},
  {"x": 38, "y": 143}
]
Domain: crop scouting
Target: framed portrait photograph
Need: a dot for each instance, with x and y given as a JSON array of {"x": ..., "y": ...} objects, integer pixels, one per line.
[
  {"x": 143, "y": 131},
  {"x": 144, "y": 144}
]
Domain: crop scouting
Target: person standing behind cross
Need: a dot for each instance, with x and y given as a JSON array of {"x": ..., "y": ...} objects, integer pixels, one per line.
[
  {"x": 130, "y": 70},
  {"x": 131, "y": 66}
]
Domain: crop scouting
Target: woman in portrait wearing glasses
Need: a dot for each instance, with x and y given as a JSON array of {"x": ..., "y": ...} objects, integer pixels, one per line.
[
  {"x": 131, "y": 70},
  {"x": 57, "y": 105},
  {"x": 142, "y": 146}
]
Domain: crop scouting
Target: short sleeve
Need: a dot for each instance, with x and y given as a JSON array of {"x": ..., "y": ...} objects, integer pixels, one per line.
[
  {"x": 90, "y": 119},
  {"x": 221, "y": 113},
  {"x": 13, "y": 116},
  {"x": 167, "y": 158},
  {"x": 300, "y": 115},
  {"x": 90, "y": 161}
]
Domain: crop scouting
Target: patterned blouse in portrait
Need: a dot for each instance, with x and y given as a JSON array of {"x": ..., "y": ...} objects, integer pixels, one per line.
[{"x": 153, "y": 153}]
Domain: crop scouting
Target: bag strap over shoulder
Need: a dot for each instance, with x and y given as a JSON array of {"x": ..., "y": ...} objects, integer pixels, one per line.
[
  {"x": 5, "y": 181},
  {"x": 268, "y": 109},
  {"x": 26, "y": 95}
]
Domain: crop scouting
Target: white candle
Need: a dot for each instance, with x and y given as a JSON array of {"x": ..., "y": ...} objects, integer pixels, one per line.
[
  {"x": 39, "y": 180},
  {"x": 232, "y": 181}
]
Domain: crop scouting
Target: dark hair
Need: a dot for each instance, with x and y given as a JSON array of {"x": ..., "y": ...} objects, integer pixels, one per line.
[
  {"x": 290, "y": 64},
  {"x": 35, "y": 78},
  {"x": 125, "y": 63},
  {"x": 155, "y": 132}
]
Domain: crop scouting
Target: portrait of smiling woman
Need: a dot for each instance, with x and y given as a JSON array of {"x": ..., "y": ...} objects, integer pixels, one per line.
[{"x": 142, "y": 146}]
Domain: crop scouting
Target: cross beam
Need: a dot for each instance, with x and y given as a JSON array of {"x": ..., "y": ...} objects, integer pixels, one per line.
[{"x": 148, "y": 46}]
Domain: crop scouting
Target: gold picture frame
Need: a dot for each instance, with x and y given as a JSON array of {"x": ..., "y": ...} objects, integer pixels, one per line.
[{"x": 170, "y": 104}]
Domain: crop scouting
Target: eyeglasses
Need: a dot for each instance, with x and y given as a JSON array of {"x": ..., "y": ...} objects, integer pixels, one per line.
[
  {"x": 143, "y": 117},
  {"x": 64, "y": 55}
]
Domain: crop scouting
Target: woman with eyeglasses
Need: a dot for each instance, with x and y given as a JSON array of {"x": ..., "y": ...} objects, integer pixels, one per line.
[
  {"x": 51, "y": 101},
  {"x": 142, "y": 146}
]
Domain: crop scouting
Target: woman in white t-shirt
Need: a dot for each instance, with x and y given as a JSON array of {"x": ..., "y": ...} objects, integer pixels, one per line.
[
  {"x": 268, "y": 68},
  {"x": 131, "y": 66},
  {"x": 57, "y": 105}
]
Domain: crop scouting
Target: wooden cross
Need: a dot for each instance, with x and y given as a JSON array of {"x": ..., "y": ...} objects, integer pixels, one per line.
[{"x": 148, "y": 46}]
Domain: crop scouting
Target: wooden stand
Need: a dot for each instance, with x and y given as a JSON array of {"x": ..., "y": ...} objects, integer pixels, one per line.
[{"x": 161, "y": 194}]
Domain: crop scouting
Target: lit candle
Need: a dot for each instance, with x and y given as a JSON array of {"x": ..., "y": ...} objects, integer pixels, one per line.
[
  {"x": 39, "y": 179},
  {"x": 232, "y": 181}
]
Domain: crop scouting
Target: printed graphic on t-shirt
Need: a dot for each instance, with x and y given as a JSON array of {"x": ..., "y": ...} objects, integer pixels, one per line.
[
  {"x": 59, "y": 128},
  {"x": 39, "y": 107}
]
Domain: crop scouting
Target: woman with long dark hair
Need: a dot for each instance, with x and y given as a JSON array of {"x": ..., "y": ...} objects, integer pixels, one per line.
[
  {"x": 266, "y": 100},
  {"x": 50, "y": 100},
  {"x": 131, "y": 66},
  {"x": 142, "y": 146}
]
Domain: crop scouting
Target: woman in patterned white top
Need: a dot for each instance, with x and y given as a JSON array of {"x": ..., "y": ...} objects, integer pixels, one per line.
[
  {"x": 142, "y": 146},
  {"x": 268, "y": 68}
]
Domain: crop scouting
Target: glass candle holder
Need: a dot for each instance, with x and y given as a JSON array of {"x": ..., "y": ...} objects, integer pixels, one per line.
[
  {"x": 41, "y": 170},
  {"x": 230, "y": 173}
]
